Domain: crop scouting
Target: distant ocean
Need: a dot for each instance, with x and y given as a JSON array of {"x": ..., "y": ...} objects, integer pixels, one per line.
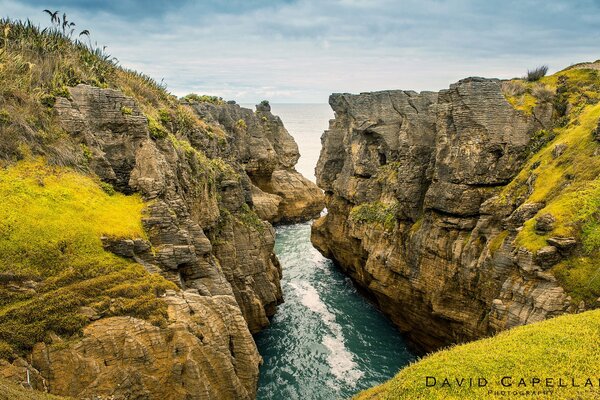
[{"x": 306, "y": 123}]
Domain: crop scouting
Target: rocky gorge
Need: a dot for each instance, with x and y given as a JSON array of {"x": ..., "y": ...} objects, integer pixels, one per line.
[
  {"x": 443, "y": 208},
  {"x": 210, "y": 177}
]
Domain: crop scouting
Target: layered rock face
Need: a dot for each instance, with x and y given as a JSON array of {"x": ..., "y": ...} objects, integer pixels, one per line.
[
  {"x": 203, "y": 234},
  {"x": 268, "y": 153},
  {"x": 412, "y": 183}
]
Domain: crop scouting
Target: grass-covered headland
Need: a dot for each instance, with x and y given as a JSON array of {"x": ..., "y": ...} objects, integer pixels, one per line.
[{"x": 554, "y": 359}]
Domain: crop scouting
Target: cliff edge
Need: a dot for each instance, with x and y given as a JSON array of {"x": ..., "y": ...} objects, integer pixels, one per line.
[
  {"x": 468, "y": 211},
  {"x": 137, "y": 253}
]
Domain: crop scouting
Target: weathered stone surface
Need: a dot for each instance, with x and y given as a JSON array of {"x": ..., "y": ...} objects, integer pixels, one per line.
[
  {"x": 447, "y": 271},
  {"x": 544, "y": 223},
  {"x": 206, "y": 352},
  {"x": 564, "y": 244},
  {"x": 547, "y": 256},
  {"x": 522, "y": 214},
  {"x": 558, "y": 150},
  {"x": 201, "y": 234},
  {"x": 268, "y": 153}
]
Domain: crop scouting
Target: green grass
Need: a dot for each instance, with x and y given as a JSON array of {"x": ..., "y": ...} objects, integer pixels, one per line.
[
  {"x": 564, "y": 347},
  {"x": 375, "y": 213},
  {"x": 52, "y": 221}
]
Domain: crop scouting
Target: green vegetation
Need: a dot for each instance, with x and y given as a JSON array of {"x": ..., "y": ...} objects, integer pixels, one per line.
[
  {"x": 126, "y": 110},
  {"x": 196, "y": 98},
  {"x": 52, "y": 221},
  {"x": 250, "y": 219},
  {"x": 565, "y": 347},
  {"x": 375, "y": 212},
  {"x": 569, "y": 184},
  {"x": 157, "y": 131},
  {"x": 241, "y": 124}
]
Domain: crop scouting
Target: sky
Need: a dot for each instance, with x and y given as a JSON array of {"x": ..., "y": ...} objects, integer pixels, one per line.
[{"x": 300, "y": 51}]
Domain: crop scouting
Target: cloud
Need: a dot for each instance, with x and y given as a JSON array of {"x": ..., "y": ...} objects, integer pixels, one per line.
[{"x": 303, "y": 50}]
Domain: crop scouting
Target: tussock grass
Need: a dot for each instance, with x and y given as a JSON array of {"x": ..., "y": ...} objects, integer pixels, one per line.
[{"x": 565, "y": 347}]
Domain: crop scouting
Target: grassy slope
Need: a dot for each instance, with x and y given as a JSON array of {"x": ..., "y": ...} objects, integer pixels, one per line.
[
  {"x": 562, "y": 347},
  {"x": 568, "y": 185},
  {"x": 52, "y": 221}
]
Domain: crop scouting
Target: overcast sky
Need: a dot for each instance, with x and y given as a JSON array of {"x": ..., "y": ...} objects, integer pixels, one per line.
[{"x": 303, "y": 50}]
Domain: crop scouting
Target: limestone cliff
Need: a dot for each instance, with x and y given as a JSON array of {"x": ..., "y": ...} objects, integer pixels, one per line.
[
  {"x": 268, "y": 154},
  {"x": 159, "y": 308},
  {"x": 428, "y": 194}
]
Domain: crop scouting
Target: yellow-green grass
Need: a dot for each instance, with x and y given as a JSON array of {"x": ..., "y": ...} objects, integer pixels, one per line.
[
  {"x": 565, "y": 347},
  {"x": 51, "y": 222},
  {"x": 569, "y": 186},
  {"x": 12, "y": 391},
  {"x": 580, "y": 87}
]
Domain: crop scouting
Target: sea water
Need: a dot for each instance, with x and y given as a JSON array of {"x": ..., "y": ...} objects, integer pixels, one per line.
[{"x": 326, "y": 341}]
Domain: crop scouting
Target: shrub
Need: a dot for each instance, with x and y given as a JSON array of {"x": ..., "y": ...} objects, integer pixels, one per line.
[
  {"x": 241, "y": 124},
  {"x": 157, "y": 131},
  {"x": 543, "y": 93},
  {"x": 537, "y": 73},
  {"x": 126, "y": 110}
]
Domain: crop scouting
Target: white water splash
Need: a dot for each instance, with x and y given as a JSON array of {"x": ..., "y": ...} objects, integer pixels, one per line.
[{"x": 340, "y": 360}]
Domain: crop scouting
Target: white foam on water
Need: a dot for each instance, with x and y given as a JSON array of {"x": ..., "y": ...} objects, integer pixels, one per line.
[{"x": 340, "y": 360}]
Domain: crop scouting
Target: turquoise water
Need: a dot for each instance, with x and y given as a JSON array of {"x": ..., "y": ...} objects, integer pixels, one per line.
[{"x": 326, "y": 341}]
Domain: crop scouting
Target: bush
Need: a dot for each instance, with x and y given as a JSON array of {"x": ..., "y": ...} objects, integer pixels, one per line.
[
  {"x": 513, "y": 88},
  {"x": 241, "y": 124},
  {"x": 543, "y": 93},
  {"x": 195, "y": 98},
  {"x": 537, "y": 73}
]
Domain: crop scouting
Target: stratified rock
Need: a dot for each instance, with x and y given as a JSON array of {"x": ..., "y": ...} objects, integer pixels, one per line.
[
  {"x": 545, "y": 223},
  {"x": 446, "y": 270},
  {"x": 206, "y": 352},
  {"x": 268, "y": 153},
  {"x": 547, "y": 256},
  {"x": 523, "y": 213},
  {"x": 564, "y": 244}
]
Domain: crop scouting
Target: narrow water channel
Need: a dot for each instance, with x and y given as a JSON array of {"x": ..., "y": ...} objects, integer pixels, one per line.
[{"x": 326, "y": 341}]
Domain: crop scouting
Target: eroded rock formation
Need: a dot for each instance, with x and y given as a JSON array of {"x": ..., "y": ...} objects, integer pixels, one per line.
[
  {"x": 201, "y": 186},
  {"x": 411, "y": 181},
  {"x": 268, "y": 153}
]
